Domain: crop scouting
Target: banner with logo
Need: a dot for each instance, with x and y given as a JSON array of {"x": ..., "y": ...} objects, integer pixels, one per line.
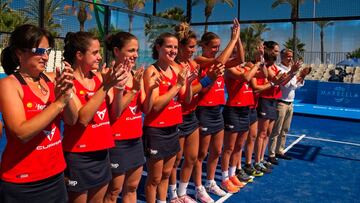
[
  {"x": 307, "y": 93},
  {"x": 338, "y": 94}
]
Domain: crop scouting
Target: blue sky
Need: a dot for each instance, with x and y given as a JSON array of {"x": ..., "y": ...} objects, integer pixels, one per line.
[{"x": 341, "y": 37}]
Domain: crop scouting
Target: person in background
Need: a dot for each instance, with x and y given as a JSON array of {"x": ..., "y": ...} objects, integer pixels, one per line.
[
  {"x": 209, "y": 110},
  {"x": 161, "y": 135},
  {"x": 284, "y": 108},
  {"x": 87, "y": 142},
  {"x": 127, "y": 106},
  {"x": 31, "y": 102},
  {"x": 189, "y": 129}
]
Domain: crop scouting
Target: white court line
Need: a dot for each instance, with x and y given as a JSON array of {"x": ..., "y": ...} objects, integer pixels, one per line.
[
  {"x": 328, "y": 140},
  {"x": 224, "y": 198},
  {"x": 294, "y": 143}
]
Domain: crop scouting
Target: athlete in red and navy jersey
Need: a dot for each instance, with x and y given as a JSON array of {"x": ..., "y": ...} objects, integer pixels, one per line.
[
  {"x": 237, "y": 121},
  {"x": 86, "y": 143},
  {"x": 209, "y": 108},
  {"x": 33, "y": 161},
  {"x": 127, "y": 105},
  {"x": 161, "y": 137}
]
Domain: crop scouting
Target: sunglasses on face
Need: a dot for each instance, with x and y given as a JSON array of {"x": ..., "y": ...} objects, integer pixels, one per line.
[{"x": 41, "y": 51}]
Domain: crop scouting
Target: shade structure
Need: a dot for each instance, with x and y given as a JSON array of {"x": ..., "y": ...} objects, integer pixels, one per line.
[{"x": 349, "y": 62}]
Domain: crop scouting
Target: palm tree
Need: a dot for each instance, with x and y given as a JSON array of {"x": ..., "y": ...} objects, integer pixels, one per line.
[
  {"x": 155, "y": 26},
  {"x": 82, "y": 12},
  {"x": 260, "y": 28},
  {"x": 52, "y": 10},
  {"x": 9, "y": 18},
  {"x": 322, "y": 25},
  {"x": 294, "y": 12},
  {"x": 209, "y": 6},
  {"x": 289, "y": 44},
  {"x": 133, "y": 5}
]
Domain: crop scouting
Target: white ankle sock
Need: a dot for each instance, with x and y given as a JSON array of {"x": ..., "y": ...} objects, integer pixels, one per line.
[
  {"x": 225, "y": 175},
  {"x": 182, "y": 189},
  {"x": 159, "y": 201},
  {"x": 172, "y": 192},
  {"x": 232, "y": 170}
]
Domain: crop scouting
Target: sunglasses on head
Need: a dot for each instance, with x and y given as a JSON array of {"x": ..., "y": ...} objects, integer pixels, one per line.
[{"x": 41, "y": 51}]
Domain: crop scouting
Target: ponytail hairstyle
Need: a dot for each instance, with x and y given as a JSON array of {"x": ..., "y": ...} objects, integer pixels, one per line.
[
  {"x": 183, "y": 33},
  {"x": 118, "y": 40},
  {"x": 22, "y": 38},
  {"x": 160, "y": 41},
  {"x": 74, "y": 42}
]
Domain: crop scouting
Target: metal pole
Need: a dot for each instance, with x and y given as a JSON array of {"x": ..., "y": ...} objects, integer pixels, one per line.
[
  {"x": 313, "y": 32},
  {"x": 238, "y": 11},
  {"x": 107, "y": 22},
  {"x": 42, "y": 13}
]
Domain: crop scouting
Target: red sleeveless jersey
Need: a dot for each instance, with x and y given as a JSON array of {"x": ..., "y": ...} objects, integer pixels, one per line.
[
  {"x": 97, "y": 135},
  {"x": 189, "y": 108},
  {"x": 215, "y": 95},
  {"x": 172, "y": 113},
  {"x": 129, "y": 124},
  {"x": 42, "y": 156},
  {"x": 239, "y": 93},
  {"x": 275, "y": 91}
]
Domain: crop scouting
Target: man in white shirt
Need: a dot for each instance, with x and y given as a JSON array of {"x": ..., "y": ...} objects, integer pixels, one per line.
[{"x": 284, "y": 108}]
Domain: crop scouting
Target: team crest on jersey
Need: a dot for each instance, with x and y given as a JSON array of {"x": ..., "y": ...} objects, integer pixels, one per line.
[
  {"x": 219, "y": 83},
  {"x": 247, "y": 86},
  {"x": 101, "y": 114},
  {"x": 133, "y": 109},
  {"x": 29, "y": 105},
  {"x": 50, "y": 133}
]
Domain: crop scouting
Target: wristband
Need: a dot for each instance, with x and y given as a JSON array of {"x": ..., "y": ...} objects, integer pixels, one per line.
[
  {"x": 134, "y": 91},
  {"x": 206, "y": 81},
  {"x": 272, "y": 84},
  {"x": 119, "y": 87}
]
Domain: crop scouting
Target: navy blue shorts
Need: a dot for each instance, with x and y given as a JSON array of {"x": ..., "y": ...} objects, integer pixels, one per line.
[
  {"x": 161, "y": 143},
  {"x": 267, "y": 108},
  {"x": 210, "y": 118},
  {"x": 52, "y": 190},
  {"x": 87, "y": 170},
  {"x": 189, "y": 125},
  {"x": 126, "y": 155},
  {"x": 236, "y": 119},
  {"x": 253, "y": 115}
]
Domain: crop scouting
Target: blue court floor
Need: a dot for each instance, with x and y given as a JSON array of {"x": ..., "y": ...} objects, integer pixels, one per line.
[{"x": 325, "y": 166}]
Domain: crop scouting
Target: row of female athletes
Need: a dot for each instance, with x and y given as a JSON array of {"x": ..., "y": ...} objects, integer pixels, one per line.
[{"x": 105, "y": 138}]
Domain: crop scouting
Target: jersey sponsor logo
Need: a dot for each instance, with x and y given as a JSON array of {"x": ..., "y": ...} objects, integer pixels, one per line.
[
  {"x": 82, "y": 92},
  {"x": 100, "y": 124},
  {"x": 81, "y": 146},
  {"x": 219, "y": 83},
  {"x": 174, "y": 107},
  {"x": 247, "y": 86},
  {"x": 133, "y": 109},
  {"x": 230, "y": 126},
  {"x": 72, "y": 183},
  {"x": 40, "y": 107},
  {"x": 50, "y": 133},
  {"x": 101, "y": 114},
  {"x": 29, "y": 105},
  {"x": 204, "y": 129},
  {"x": 153, "y": 151},
  {"x": 44, "y": 147},
  {"x": 23, "y": 175},
  {"x": 90, "y": 94},
  {"x": 114, "y": 165}
]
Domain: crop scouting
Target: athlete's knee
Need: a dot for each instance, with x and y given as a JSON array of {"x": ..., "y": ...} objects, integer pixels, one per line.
[
  {"x": 154, "y": 181},
  {"x": 130, "y": 188}
]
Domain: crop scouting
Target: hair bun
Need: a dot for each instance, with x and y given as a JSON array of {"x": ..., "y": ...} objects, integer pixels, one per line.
[{"x": 182, "y": 30}]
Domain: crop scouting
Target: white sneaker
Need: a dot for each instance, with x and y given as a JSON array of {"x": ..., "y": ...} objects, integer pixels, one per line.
[
  {"x": 202, "y": 196},
  {"x": 215, "y": 189}
]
